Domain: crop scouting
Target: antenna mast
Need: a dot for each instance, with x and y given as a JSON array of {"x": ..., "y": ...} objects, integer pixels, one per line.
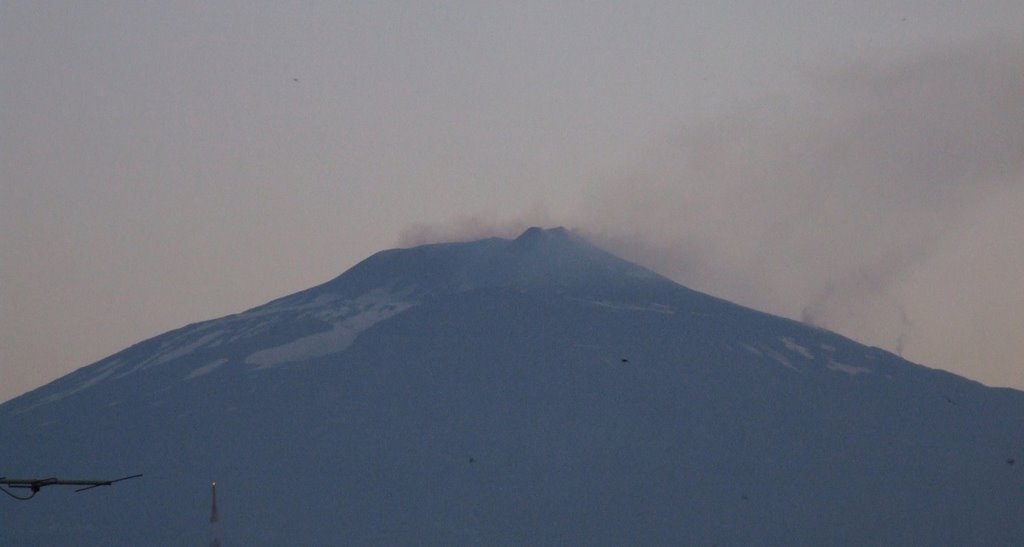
[
  {"x": 214, "y": 519},
  {"x": 35, "y": 485}
]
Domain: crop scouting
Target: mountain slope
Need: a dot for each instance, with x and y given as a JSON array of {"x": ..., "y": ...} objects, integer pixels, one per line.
[{"x": 535, "y": 390}]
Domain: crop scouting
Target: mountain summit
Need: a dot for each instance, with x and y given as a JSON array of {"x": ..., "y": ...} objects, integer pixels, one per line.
[
  {"x": 537, "y": 258},
  {"x": 535, "y": 390}
]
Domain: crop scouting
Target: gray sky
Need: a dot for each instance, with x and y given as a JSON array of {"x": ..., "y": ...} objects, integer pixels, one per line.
[{"x": 858, "y": 166}]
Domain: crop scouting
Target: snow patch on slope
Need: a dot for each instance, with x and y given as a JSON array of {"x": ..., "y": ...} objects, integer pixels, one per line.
[
  {"x": 181, "y": 351},
  {"x": 348, "y": 321},
  {"x": 107, "y": 371},
  {"x": 781, "y": 359},
  {"x": 848, "y": 369},
  {"x": 205, "y": 369},
  {"x": 657, "y": 308},
  {"x": 793, "y": 346}
]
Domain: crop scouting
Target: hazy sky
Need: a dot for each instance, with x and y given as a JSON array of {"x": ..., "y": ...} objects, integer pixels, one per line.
[{"x": 857, "y": 165}]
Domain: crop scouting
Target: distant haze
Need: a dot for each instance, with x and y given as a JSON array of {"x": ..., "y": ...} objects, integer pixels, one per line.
[{"x": 859, "y": 167}]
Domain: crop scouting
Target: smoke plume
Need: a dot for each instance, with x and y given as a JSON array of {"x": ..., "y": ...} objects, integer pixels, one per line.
[
  {"x": 472, "y": 227},
  {"x": 833, "y": 203}
]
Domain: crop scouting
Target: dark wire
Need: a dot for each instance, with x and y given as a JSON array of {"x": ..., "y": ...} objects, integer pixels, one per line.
[{"x": 17, "y": 497}]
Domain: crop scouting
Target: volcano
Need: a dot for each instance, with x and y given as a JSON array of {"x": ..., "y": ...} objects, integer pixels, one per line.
[{"x": 535, "y": 390}]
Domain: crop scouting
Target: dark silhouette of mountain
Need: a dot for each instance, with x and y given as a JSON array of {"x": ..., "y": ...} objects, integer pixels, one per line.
[{"x": 528, "y": 391}]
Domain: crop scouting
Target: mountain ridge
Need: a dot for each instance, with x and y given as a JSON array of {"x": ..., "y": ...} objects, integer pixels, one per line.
[
  {"x": 533, "y": 390},
  {"x": 538, "y": 258}
]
